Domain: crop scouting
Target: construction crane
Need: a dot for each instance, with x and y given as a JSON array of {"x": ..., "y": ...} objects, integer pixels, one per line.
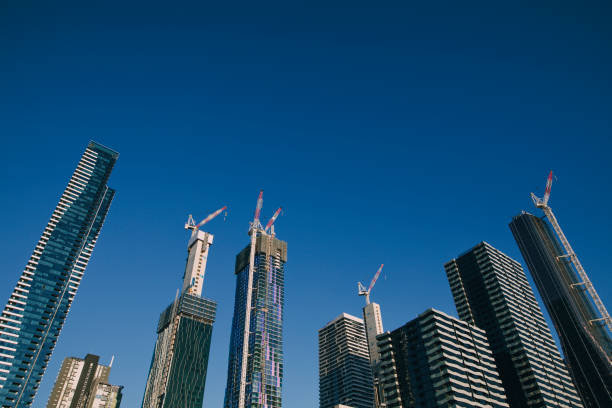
[
  {"x": 274, "y": 217},
  {"x": 191, "y": 225},
  {"x": 256, "y": 228},
  {"x": 362, "y": 290},
  {"x": 542, "y": 203}
]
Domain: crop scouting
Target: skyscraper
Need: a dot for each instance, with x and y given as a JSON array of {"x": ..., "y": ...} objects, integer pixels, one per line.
[
  {"x": 438, "y": 361},
  {"x": 177, "y": 375},
  {"x": 36, "y": 310},
  {"x": 255, "y": 364},
  {"x": 585, "y": 341},
  {"x": 373, "y": 326},
  {"x": 345, "y": 375},
  {"x": 83, "y": 383},
  {"x": 107, "y": 396},
  {"x": 491, "y": 291}
]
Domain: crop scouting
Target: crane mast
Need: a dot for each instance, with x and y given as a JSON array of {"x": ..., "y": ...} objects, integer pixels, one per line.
[
  {"x": 571, "y": 255},
  {"x": 255, "y": 229}
]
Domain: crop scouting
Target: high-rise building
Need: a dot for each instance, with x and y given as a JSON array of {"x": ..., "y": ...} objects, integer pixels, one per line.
[
  {"x": 585, "y": 341},
  {"x": 491, "y": 291},
  {"x": 373, "y": 327},
  {"x": 107, "y": 396},
  {"x": 36, "y": 310},
  {"x": 83, "y": 383},
  {"x": 255, "y": 367},
  {"x": 436, "y": 360},
  {"x": 345, "y": 375},
  {"x": 177, "y": 375}
]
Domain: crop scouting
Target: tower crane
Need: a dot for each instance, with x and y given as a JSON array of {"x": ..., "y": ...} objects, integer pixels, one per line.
[
  {"x": 274, "y": 217},
  {"x": 362, "y": 290},
  {"x": 191, "y": 225},
  {"x": 542, "y": 203},
  {"x": 256, "y": 228}
]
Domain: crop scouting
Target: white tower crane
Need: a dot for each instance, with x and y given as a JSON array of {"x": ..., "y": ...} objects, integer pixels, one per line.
[
  {"x": 571, "y": 255},
  {"x": 197, "y": 248}
]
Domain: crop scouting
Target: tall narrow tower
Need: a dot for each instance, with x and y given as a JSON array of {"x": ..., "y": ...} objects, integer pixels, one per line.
[
  {"x": 177, "y": 375},
  {"x": 255, "y": 366},
  {"x": 373, "y": 327},
  {"x": 491, "y": 291},
  {"x": 36, "y": 310},
  {"x": 580, "y": 317},
  {"x": 585, "y": 341}
]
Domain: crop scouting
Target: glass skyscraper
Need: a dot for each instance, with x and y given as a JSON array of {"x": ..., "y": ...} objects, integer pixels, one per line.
[
  {"x": 436, "y": 360},
  {"x": 255, "y": 373},
  {"x": 491, "y": 291},
  {"x": 177, "y": 375},
  {"x": 345, "y": 374},
  {"x": 585, "y": 340},
  {"x": 36, "y": 310}
]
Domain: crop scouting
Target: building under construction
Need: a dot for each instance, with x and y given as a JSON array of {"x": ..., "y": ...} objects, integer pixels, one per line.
[
  {"x": 373, "y": 327},
  {"x": 582, "y": 322},
  {"x": 255, "y": 366},
  {"x": 177, "y": 375}
]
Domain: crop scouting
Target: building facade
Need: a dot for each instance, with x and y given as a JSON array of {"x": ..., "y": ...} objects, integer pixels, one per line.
[
  {"x": 438, "y": 361},
  {"x": 33, "y": 317},
  {"x": 107, "y": 396},
  {"x": 345, "y": 375},
  {"x": 585, "y": 341},
  {"x": 80, "y": 383},
  {"x": 255, "y": 365},
  {"x": 491, "y": 291},
  {"x": 177, "y": 375},
  {"x": 373, "y": 327}
]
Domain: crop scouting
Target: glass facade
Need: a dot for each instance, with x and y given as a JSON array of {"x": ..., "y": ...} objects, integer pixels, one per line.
[
  {"x": 438, "y": 361},
  {"x": 177, "y": 375},
  {"x": 36, "y": 310},
  {"x": 586, "y": 343},
  {"x": 264, "y": 362},
  {"x": 491, "y": 291},
  {"x": 345, "y": 374}
]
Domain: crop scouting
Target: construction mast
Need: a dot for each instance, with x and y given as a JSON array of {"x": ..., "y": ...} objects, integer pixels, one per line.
[
  {"x": 255, "y": 229},
  {"x": 570, "y": 255},
  {"x": 199, "y": 243},
  {"x": 374, "y": 326}
]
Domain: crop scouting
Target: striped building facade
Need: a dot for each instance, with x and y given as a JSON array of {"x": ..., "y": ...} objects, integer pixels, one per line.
[
  {"x": 436, "y": 360},
  {"x": 491, "y": 291},
  {"x": 345, "y": 374}
]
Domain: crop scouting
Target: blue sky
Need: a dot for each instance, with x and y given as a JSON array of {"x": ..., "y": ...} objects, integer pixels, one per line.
[{"x": 398, "y": 133}]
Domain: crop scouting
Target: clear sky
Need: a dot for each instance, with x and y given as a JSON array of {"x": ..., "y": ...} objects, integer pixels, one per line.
[{"x": 392, "y": 132}]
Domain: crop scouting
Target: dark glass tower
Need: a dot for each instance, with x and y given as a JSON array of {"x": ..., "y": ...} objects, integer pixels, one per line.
[
  {"x": 36, "y": 310},
  {"x": 177, "y": 375},
  {"x": 491, "y": 291},
  {"x": 436, "y": 360},
  {"x": 179, "y": 366},
  {"x": 345, "y": 374},
  {"x": 585, "y": 341},
  {"x": 255, "y": 373}
]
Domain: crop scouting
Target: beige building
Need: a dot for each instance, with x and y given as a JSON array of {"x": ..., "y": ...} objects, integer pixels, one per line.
[{"x": 83, "y": 383}]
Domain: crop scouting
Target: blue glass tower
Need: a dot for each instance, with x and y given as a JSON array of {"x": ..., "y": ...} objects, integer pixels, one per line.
[
  {"x": 33, "y": 317},
  {"x": 255, "y": 372}
]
